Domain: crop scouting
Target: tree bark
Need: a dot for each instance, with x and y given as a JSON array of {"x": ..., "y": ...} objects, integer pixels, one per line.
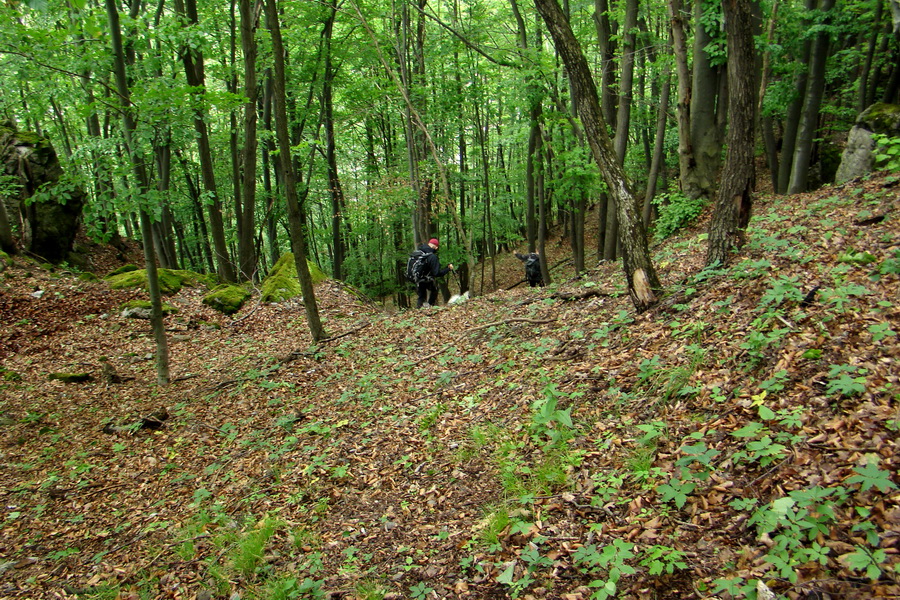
[
  {"x": 193, "y": 68},
  {"x": 706, "y": 144},
  {"x": 795, "y": 109},
  {"x": 643, "y": 283},
  {"x": 683, "y": 106},
  {"x": 338, "y": 243},
  {"x": 247, "y": 258},
  {"x": 140, "y": 172},
  {"x": 658, "y": 148},
  {"x": 735, "y": 201},
  {"x": 623, "y": 118},
  {"x": 606, "y": 40},
  {"x": 298, "y": 235},
  {"x": 535, "y": 93},
  {"x": 809, "y": 117}
]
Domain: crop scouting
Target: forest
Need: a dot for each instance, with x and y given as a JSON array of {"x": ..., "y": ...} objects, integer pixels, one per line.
[
  {"x": 409, "y": 120},
  {"x": 213, "y": 380}
]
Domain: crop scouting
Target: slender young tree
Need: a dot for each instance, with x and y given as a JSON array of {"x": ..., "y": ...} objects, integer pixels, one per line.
[
  {"x": 683, "y": 77},
  {"x": 735, "y": 200},
  {"x": 338, "y": 242},
  {"x": 623, "y": 116},
  {"x": 640, "y": 274},
  {"x": 247, "y": 260},
  {"x": 193, "y": 68},
  {"x": 298, "y": 235},
  {"x": 140, "y": 173}
]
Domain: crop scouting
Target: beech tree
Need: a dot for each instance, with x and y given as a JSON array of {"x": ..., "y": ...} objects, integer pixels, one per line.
[
  {"x": 140, "y": 175},
  {"x": 643, "y": 283},
  {"x": 735, "y": 196},
  {"x": 298, "y": 235}
]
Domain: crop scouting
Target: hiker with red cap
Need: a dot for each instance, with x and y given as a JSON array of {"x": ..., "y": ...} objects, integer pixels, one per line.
[{"x": 431, "y": 270}]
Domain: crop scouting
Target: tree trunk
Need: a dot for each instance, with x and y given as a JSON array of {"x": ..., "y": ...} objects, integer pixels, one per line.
[
  {"x": 866, "y": 67},
  {"x": 794, "y": 111},
  {"x": 7, "y": 240},
  {"x": 164, "y": 238},
  {"x": 193, "y": 68},
  {"x": 128, "y": 127},
  {"x": 658, "y": 148},
  {"x": 199, "y": 222},
  {"x": 765, "y": 121},
  {"x": 683, "y": 106},
  {"x": 643, "y": 283},
  {"x": 339, "y": 245},
  {"x": 231, "y": 85},
  {"x": 606, "y": 40},
  {"x": 706, "y": 144},
  {"x": 735, "y": 201},
  {"x": 623, "y": 118},
  {"x": 246, "y": 250},
  {"x": 809, "y": 118},
  {"x": 298, "y": 235},
  {"x": 535, "y": 93}
]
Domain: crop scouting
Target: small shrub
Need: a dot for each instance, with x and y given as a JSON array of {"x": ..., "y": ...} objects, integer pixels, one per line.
[
  {"x": 675, "y": 211},
  {"x": 887, "y": 152}
]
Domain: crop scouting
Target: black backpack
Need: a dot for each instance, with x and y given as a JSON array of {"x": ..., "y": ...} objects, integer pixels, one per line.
[
  {"x": 533, "y": 267},
  {"x": 417, "y": 269}
]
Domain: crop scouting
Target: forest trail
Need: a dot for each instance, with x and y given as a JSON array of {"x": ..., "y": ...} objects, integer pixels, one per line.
[{"x": 515, "y": 445}]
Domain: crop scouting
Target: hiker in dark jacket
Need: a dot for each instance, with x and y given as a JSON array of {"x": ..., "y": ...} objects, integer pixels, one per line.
[
  {"x": 427, "y": 288},
  {"x": 533, "y": 274}
]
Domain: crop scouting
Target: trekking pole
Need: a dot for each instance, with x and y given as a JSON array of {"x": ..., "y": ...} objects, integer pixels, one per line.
[{"x": 458, "y": 280}]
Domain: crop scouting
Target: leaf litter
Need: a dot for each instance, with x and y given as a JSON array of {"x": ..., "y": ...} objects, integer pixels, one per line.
[{"x": 513, "y": 446}]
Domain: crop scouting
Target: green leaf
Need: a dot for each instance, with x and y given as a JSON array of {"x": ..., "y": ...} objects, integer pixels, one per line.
[
  {"x": 766, "y": 414},
  {"x": 749, "y": 430},
  {"x": 870, "y": 476}
]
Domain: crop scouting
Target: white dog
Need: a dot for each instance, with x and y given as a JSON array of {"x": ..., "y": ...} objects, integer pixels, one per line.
[{"x": 458, "y": 299}]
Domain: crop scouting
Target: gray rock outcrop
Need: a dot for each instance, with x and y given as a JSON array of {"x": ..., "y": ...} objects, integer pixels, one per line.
[
  {"x": 41, "y": 206},
  {"x": 859, "y": 157}
]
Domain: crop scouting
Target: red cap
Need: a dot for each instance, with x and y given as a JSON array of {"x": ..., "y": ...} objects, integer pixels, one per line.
[{"x": 434, "y": 242}]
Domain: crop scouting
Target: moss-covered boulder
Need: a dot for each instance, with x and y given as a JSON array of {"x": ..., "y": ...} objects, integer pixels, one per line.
[
  {"x": 142, "y": 309},
  {"x": 70, "y": 377},
  {"x": 123, "y": 269},
  {"x": 86, "y": 276},
  {"x": 282, "y": 283},
  {"x": 49, "y": 202},
  {"x": 859, "y": 156},
  {"x": 227, "y": 299},
  {"x": 170, "y": 280}
]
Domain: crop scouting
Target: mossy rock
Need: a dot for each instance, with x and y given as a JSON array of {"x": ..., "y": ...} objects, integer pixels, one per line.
[
  {"x": 70, "y": 377},
  {"x": 881, "y": 118},
  {"x": 282, "y": 283},
  {"x": 170, "y": 281},
  {"x": 227, "y": 299},
  {"x": 123, "y": 269},
  {"x": 88, "y": 277},
  {"x": 142, "y": 309}
]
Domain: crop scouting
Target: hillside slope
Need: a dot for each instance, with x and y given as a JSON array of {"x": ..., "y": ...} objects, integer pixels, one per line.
[{"x": 530, "y": 443}]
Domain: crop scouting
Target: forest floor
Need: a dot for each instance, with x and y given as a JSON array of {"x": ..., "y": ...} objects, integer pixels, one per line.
[{"x": 737, "y": 440}]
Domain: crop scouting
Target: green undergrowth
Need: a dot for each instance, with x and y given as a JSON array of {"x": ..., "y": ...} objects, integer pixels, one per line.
[{"x": 715, "y": 447}]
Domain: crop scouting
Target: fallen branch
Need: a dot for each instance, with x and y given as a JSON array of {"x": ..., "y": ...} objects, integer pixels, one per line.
[
  {"x": 573, "y": 296},
  {"x": 346, "y": 333},
  {"x": 512, "y": 320}
]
